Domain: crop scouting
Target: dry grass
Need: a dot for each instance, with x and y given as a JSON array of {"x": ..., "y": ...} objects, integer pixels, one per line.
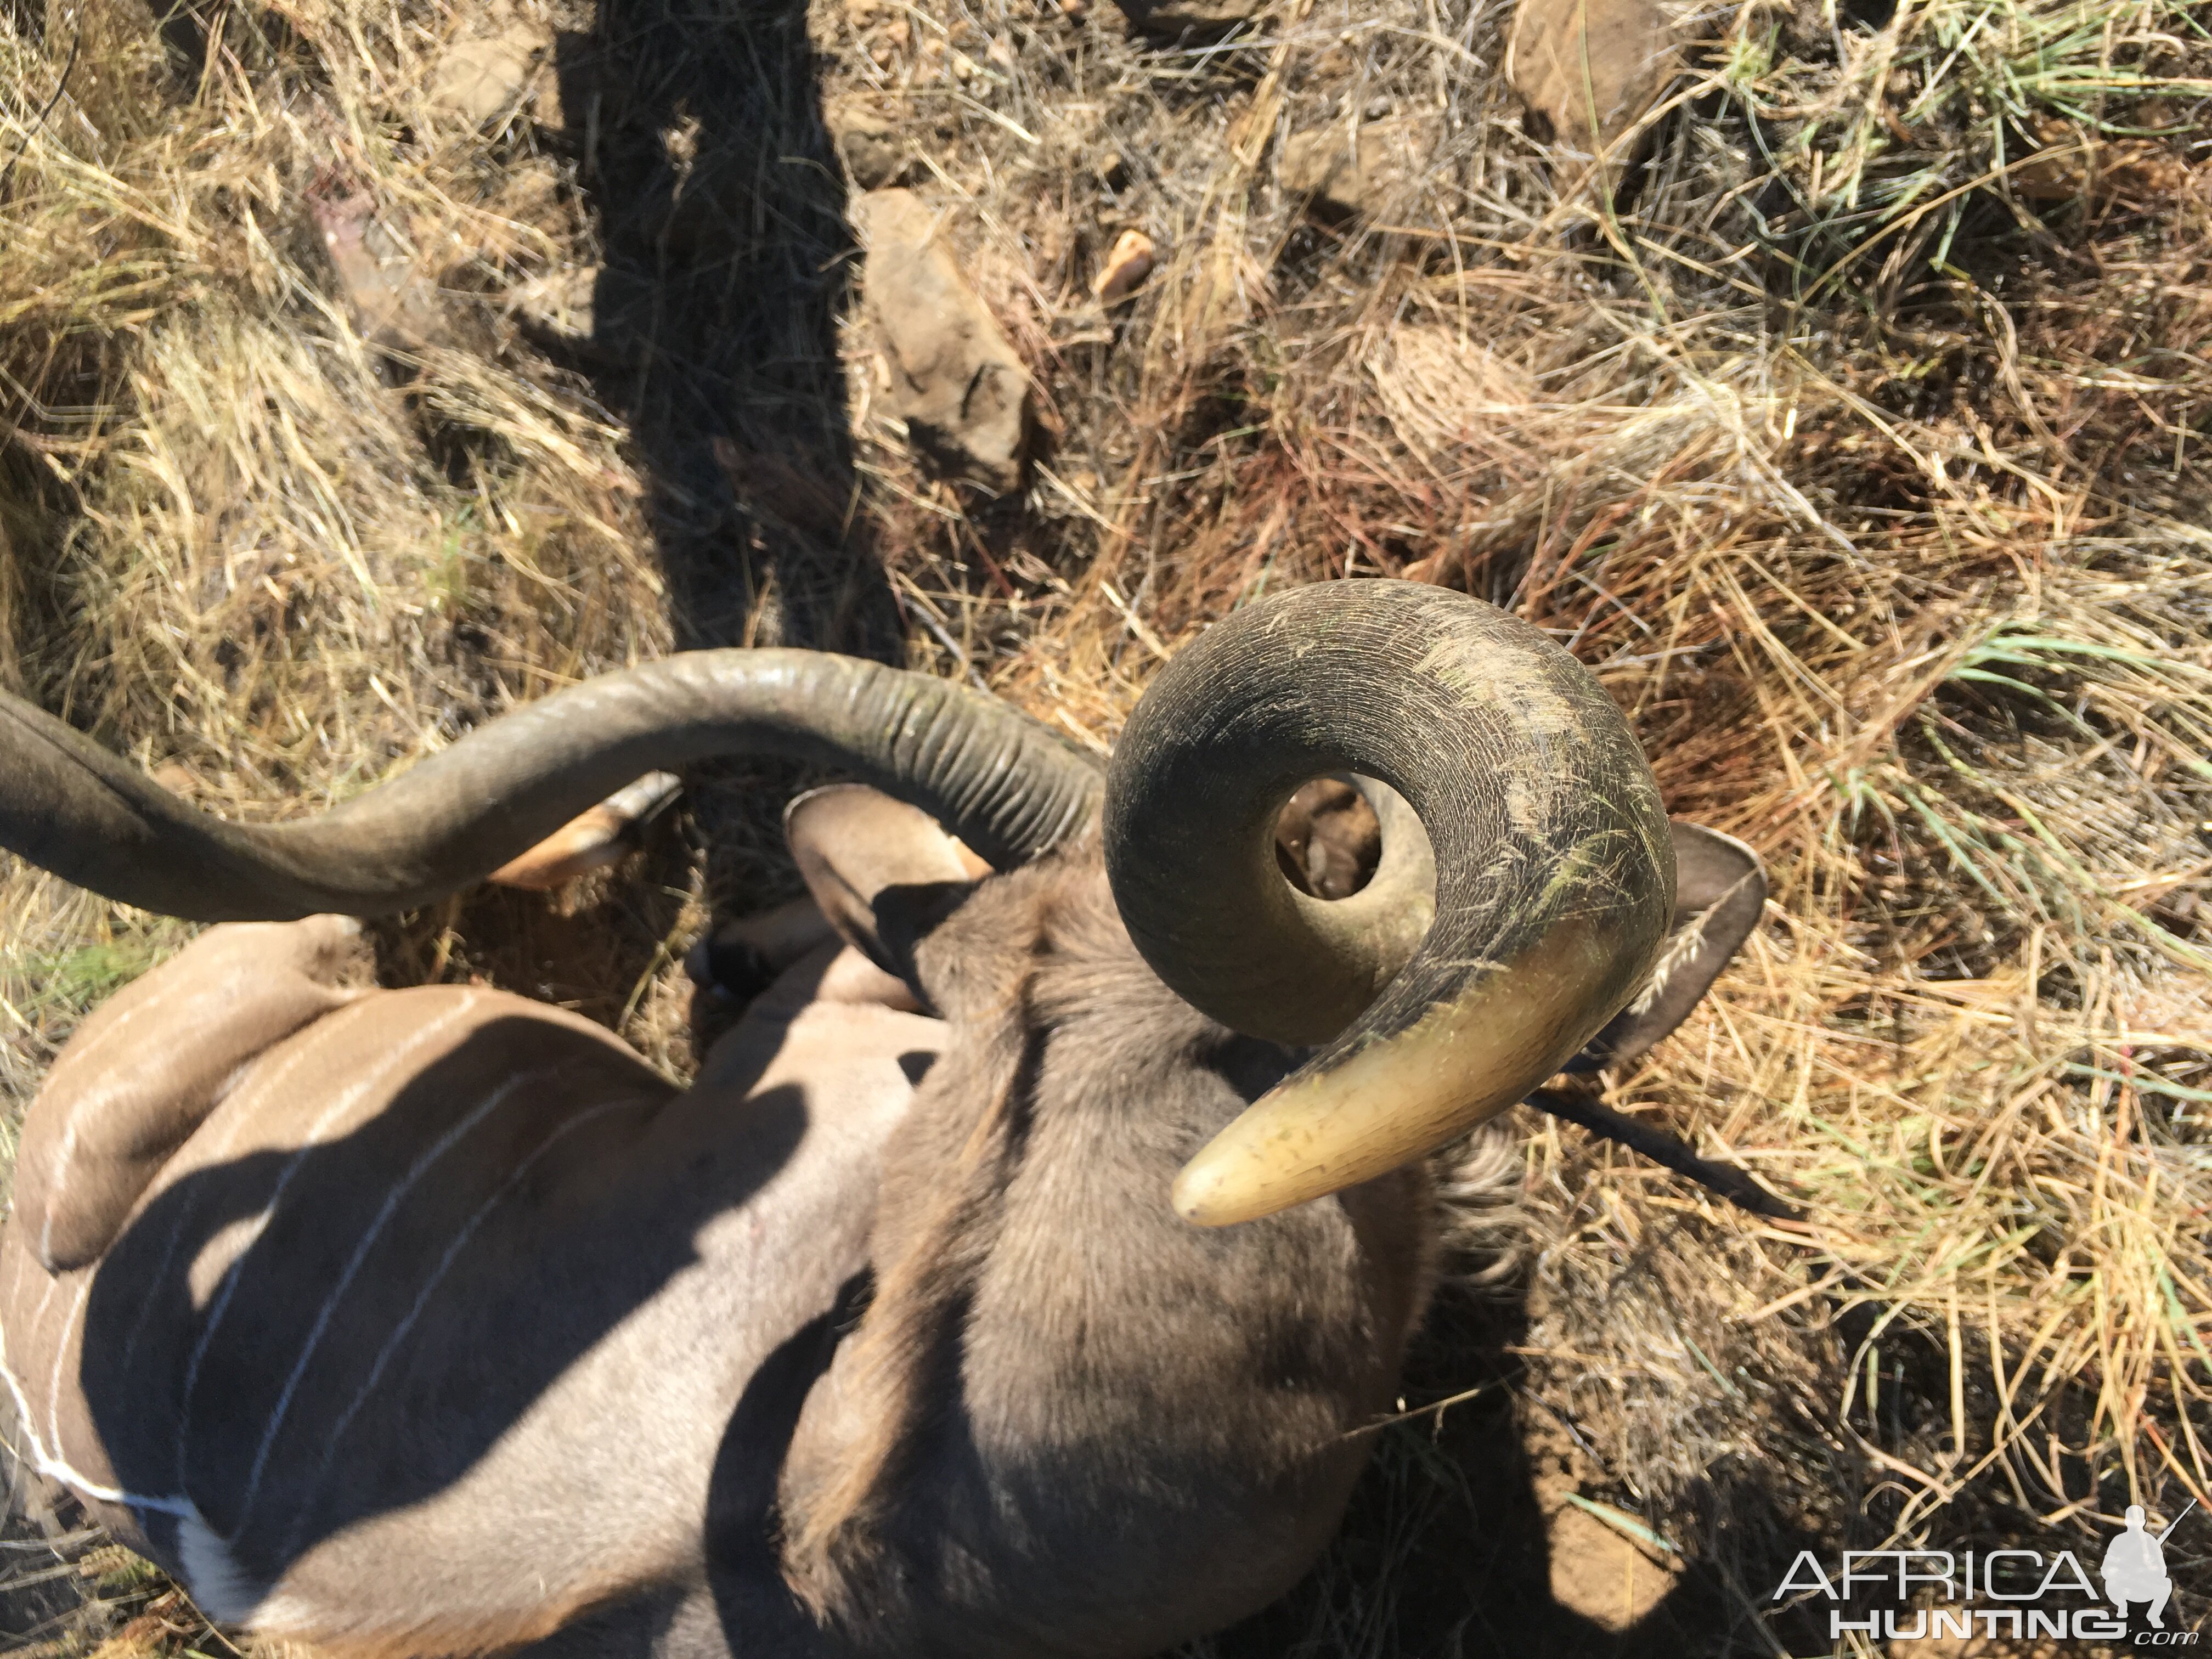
[{"x": 1858, "y": 449}]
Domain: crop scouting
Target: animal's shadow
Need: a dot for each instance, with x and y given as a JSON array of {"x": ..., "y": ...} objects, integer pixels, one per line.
[{"x": 695, "y": 135}]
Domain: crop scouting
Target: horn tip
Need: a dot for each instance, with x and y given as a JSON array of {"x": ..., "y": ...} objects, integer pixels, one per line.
[{"x": 1207, "y": 1195}]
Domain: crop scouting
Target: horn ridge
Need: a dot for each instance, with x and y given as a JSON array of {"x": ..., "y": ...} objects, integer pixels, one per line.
[{"x": 1002, "y": 783}]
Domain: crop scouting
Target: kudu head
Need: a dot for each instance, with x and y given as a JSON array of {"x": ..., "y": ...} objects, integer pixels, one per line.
[{"x": 1522, "y": 901}]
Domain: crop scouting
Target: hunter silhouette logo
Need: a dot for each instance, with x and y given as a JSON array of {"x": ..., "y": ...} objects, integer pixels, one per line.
[
  {"x": 1930, "y": 1595},
  {"x": 2135, "y": 1566}
]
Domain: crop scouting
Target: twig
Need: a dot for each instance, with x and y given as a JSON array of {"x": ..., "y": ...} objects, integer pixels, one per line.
[
  {"x": 68, "y": 65},
  {"x": 1664, "y": 1149}
]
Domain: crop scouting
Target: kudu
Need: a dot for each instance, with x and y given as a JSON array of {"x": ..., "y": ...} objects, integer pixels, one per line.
[{"x": 432, "y": 1321}]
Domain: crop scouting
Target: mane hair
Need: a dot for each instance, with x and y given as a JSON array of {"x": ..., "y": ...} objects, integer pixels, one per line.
[{"x": 908, "y": 1336}]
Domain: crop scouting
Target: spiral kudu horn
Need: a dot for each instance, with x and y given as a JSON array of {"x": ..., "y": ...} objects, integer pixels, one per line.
[
  {"x": 995, "y": 778},
  {"x": 1553, "y": 872}
]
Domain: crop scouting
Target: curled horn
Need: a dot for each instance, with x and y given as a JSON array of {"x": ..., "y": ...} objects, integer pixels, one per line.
[
  {"x": 1552, "y": 883},
  {"x": 997, "y": 780}
]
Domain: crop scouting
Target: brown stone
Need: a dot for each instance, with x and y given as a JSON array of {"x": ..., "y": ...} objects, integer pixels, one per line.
[
  {"x": 478, "y": 79},
  {"x": 871, "y": 147},
  {"x": 393, "y": 301},
  {"x": 953, "y": 377},
  {"x": 1126, "y": 268},
  {"x": 1589, "y": 70},
  {"x": 1359, "y": 171}
]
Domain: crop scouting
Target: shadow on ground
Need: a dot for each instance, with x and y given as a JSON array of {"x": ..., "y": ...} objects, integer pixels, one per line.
[
  {"x": 726, "y": 260},
  {"x": 1451, "y": 1548},
  {"x": 701, "y": 148}
]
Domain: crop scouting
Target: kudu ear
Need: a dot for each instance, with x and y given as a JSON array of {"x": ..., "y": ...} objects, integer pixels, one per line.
[
  {"x": 883, "y": 873},
  {"x": 1720, "y": 890}
]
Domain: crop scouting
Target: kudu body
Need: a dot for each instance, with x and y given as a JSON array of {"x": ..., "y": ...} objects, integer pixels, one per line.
[
  {"x": 433, "y": 1321},
  {"x": 427, "y": 1337}
]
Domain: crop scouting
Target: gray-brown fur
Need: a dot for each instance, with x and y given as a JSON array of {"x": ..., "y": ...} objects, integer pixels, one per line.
[
  {"x": 1066, "y": 1423},
  {"x": 603, "y": 1264},
  {"x": 1107, "y": 1430},
  {"x": 1328, "y": 839}
]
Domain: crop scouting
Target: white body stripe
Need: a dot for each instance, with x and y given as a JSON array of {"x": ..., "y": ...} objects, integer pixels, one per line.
[
  {"x": 55, "y": 1466},
  {"x": 362, "y": 1246},
  {"x": 406, "y": 1323},
  {"x": 317, "y": 1131}
]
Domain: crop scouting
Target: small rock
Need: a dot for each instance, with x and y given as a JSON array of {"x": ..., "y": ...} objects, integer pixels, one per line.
[
  {"x": 876, "y": 160},
  {"x": 953, "y": 377},
  {"x": 2058, "y": 171},
  {"x": 1173, "y": 17},
  {"x": 1589, "y": 70},
  {"x": 1358, "y": 172},
  {"x": 393, "y": 304},
  {"x": 477, "y": 80},
  {"x": 1127, "y": 266},
  {"x": 871, "y": 147}
]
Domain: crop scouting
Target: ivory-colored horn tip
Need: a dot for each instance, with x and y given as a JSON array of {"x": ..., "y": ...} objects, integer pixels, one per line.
[
  {"x": 585, "y": 843},
  {"x": 1197, "y": 1203},
  {"x": 1207, "y": 1192}
]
